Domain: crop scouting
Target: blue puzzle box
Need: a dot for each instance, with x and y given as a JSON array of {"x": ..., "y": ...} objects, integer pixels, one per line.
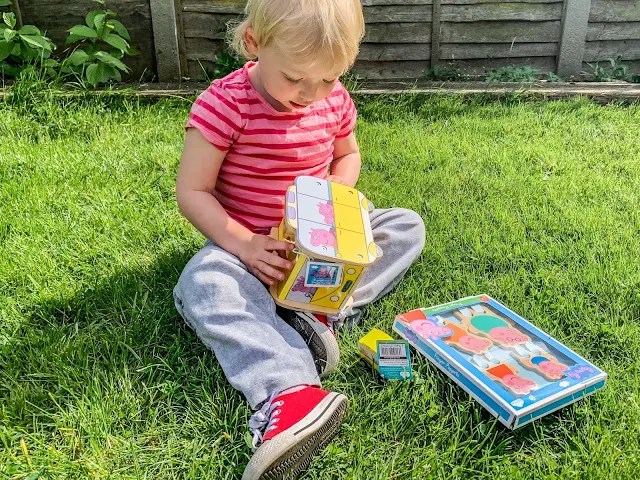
[{"x": 513, "y": 369}]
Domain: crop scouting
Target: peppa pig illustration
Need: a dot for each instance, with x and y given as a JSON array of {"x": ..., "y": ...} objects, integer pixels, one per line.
[
  {"x": 508, "y": 376},
  {"x": 429, "y": 330},
  {"x": 323, "y": 238},
  {"x": 326, "y": 210}
]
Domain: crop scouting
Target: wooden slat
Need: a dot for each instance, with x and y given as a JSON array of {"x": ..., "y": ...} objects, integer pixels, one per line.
[
  {"x": 502, "y": 11},
  {"x": 463, "y": 51},
  {"x": 480, "y": 66},
  {"x": 195, "y": 69},
  {"x": 207, "y": 6},
  {"x": 634, "y": 68},
  {"x": 473, "y": 2},
  {"x": 390, "y": 70},
  {"x": 372, "y": 14},
  {"x": 397, "y": 13},
  {"x": 602, "y": 50},
  {"x": 615, "y": 11},
  {"x": 390, "y": 52},
  {"x": 398, "y": 33},
  {"x": 500, "y": 32},
  {"x": 370, "y": 3},
  {"x": 613, "y": 31},
  {"x": 203, "y": 49},
  {"x": 206, "y": 25}
]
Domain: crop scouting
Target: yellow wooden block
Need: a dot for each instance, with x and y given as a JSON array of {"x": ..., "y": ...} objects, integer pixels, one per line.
[
  {"x": 343, "y": 195},
  {"x": 348, "y": 218},
  {"x": 353, "y": 247},
  {"x": 369, "y": 346}
]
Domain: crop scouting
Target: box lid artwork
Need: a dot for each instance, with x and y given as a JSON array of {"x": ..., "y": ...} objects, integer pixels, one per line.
[{"x": 516, "y": 371}]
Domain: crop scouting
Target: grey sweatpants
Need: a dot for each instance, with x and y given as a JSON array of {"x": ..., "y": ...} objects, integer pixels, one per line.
[{"x": 234, "y": 314}]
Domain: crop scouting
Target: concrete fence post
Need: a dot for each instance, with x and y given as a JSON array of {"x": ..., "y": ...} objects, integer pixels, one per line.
[
  {"x": 165, "y": 39},
  {"x": 575, "y": 19}
]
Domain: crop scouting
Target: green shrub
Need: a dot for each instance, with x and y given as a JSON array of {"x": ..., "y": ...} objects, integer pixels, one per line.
[
  {"x": 99, "y": 48},
  {"x": 24, "y": 49}
]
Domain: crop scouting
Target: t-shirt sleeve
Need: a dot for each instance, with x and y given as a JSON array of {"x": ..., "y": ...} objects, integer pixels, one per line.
[
  {"x": 217, "y": 116},
  {"x": 349, "y": 116}
]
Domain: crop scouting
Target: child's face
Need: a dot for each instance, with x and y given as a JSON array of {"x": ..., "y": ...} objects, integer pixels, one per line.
[{"x": 291, "y": 85}]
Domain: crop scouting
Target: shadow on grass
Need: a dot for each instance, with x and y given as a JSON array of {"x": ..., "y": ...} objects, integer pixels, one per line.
[{"x": 116, "y": 361}]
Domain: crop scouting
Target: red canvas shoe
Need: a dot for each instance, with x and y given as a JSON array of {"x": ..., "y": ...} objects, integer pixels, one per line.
[
  {"x": 317, "y": 331},
  {"x": 296, "y": 426}
]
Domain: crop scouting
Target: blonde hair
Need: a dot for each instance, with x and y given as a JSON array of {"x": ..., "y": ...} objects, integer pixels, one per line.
[{"x": 313, "y": 32}]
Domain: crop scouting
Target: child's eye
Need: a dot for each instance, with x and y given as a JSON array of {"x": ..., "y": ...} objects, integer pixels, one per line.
[
  {"x": 289, "y": 79},
  {"x": 330, "y": 81}
]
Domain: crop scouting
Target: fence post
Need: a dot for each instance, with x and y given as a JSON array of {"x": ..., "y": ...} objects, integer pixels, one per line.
[
  {"x": 435, "y": 33},
  {"x": 575, "y": 19},
  {"x": 165, "y": 39}
]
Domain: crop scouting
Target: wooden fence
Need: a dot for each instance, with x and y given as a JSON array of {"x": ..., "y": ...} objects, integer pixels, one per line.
[{"x": 404, "y": 38}]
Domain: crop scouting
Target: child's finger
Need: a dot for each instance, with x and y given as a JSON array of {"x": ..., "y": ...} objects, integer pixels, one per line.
[
  {"x": 262, "y": 277},
  {"x": 279, "y": 245},
  {"x": 269, "y": 271},
  {"x": 276, "y": 261}
]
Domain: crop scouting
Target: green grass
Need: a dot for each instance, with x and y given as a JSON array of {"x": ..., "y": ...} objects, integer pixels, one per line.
[{"x": 533, "y": 203}]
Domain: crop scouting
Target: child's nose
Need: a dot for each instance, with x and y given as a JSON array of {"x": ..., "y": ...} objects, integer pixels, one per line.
[{"x": 309, "y": 94}]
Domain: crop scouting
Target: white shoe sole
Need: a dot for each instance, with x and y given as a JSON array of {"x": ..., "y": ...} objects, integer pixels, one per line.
[
  {"x": 289, "y": 453},
  {"x": 324, "y": 348}
]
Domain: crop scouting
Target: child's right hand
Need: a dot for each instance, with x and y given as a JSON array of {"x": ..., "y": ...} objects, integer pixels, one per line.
[{"x": 259, "y": 257}]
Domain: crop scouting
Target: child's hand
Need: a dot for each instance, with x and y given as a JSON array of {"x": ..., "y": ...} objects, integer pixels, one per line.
[
  {"x": 337, "y": 179},
  {"x": 259, "y": 257}
]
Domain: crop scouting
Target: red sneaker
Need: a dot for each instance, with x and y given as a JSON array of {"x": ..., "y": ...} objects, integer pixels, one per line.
[
  {"x": 296, "y": 426},
  {"x": 318, "y": 334}
]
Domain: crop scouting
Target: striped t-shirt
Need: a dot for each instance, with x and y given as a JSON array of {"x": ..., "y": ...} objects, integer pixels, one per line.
[{"x": 266, "y": 149}]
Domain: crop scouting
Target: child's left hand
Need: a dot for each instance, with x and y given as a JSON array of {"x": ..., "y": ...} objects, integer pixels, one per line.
[{"x": 337, "y": 179}]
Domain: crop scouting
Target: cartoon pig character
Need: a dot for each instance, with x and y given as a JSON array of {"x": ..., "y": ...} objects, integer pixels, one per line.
[
  {"x": 326, "y": 210},
  {"x": 299, "y": 286},
  {"x": 323, "y": 238},
  {"x": 553, "y": 369},
  {"x": 508, "y": 336},
  {"x": 518, "y": 385},
  {"x": 428, "y": 329},
  {"x": 474, "y": 344}
]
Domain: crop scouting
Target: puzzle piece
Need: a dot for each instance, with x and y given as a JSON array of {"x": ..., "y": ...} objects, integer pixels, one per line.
[
  {"x": 544, "y": 364},
  {"x": 508, "y": 376},
  {"x": 485, "y": 323},
  {"x": 467, "y": 342}
]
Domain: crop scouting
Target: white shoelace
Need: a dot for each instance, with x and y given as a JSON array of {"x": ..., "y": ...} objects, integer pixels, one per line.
[
  {"x": 336, "y": 321},
  {"x": 266, "y": 416}
]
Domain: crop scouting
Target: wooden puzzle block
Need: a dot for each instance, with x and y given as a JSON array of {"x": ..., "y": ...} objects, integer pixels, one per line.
[
  {"x": 543, "y": 364},
  {"x": 508, "y": 376},
  {"x": 485, "y": 323}
]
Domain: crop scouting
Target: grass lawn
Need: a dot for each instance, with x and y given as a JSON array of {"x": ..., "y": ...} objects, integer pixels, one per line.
[{"x": 534, "y": 203}]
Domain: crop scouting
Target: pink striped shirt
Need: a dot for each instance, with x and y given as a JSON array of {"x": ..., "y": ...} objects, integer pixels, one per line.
[{"x": 266, "y": 149}]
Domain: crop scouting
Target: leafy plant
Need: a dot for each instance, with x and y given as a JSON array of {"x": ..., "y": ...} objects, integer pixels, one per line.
[
  {"x": 511, "y": 73},
  {"x": 552, "y": 77},
  {"x": 615, "y": 71},
  {"x": 226, "y": 63},
  {"x": 438, "y": 73},
  {"x": 24, "y": 49},
  {"x": 101, "y": 45}
]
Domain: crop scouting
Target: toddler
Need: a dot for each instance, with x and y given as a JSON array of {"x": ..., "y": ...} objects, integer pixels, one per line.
[{"x": 249, "y": 135}]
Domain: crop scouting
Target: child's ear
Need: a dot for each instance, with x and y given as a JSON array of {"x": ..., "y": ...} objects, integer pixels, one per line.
[{"x": 250, "y": 40}]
